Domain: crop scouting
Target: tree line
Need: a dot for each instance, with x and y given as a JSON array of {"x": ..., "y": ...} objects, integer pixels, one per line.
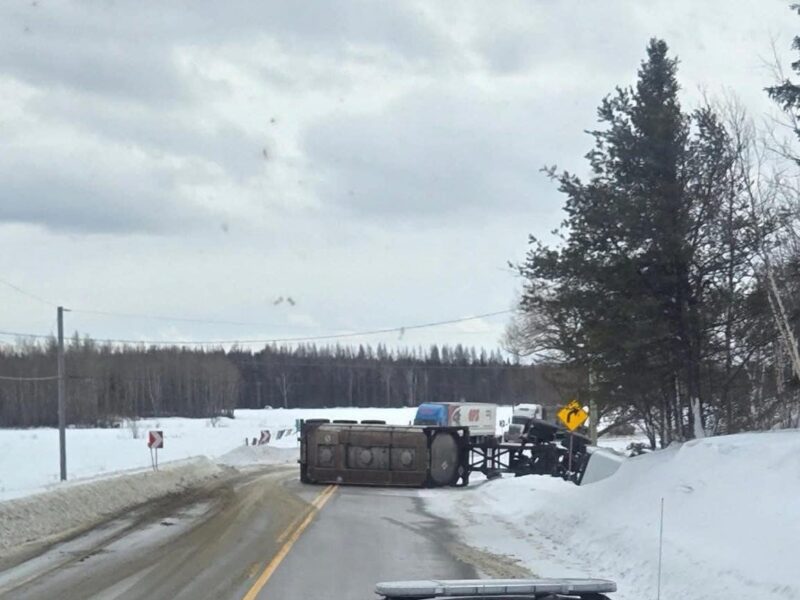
[
  {"x": 109, "y": 383},
  {"x": 674, "y": 287}
]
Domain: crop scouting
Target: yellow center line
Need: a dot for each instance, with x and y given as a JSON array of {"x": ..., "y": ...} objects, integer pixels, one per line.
[
  {"x": 289, "y": 528},
  {"x": 316, "y": 501},
  {"x": 317, "y": 505}
]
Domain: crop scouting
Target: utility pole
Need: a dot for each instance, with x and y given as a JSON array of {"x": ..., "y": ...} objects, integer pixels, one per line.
[
  {"x": 593, "y": 416},
  {"x": 62, "y": 410}
]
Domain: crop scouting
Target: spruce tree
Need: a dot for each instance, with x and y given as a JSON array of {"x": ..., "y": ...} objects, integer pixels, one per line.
[{"x": 632, "y": 291}]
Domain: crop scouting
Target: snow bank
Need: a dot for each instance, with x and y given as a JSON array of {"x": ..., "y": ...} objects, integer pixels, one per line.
[
  {"x": 731, "y": 527},
  {"x": 39, "y": 517},
  {"x": 245, "y": 456},
  {"x": 83, "y": 503}
]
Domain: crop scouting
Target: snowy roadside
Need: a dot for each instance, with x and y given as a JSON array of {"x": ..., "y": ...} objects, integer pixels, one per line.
[
  {"x": 47, "y": 516},
  {"x": 41, "y": 517},
  {"x": 732, "y": 520}
]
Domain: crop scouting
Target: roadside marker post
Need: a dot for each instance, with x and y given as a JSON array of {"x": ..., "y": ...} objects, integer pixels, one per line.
[
  {"x": 660, "y": 548},
  {"x": 155, "y": 440},
  {"x": 569, "y": 460},
  {"x": 62, "y": 395}
]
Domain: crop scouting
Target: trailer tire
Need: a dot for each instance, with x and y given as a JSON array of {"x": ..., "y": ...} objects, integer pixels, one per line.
[{"x": 444, "y": 455}]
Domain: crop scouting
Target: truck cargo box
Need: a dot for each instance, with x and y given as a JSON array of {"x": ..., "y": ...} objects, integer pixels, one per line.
[{"x": 481, "y": 418}]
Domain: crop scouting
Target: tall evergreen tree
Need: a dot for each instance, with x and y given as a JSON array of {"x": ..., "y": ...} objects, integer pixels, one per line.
[
  {"x": 787, "y": 93},
  {"x": 631, "y": 293}
]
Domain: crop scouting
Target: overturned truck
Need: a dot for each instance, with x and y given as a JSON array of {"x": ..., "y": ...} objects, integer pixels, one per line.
[{"x": 370, "y": 453}]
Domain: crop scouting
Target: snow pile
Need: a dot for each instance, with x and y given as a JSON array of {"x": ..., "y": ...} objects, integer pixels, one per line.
[
  {"x": 621, "y": 443},
  {"x": 245, "y": 456},
  {"x": 731, "y": 526},
  {"x": 72, "y": 507}
]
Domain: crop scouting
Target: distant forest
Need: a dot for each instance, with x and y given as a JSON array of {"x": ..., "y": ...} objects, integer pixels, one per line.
[{"x": 108, "y": 383}]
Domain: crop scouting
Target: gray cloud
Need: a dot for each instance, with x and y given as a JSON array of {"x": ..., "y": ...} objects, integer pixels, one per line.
[
  {"x": 397, "y": 26},
  {"x": 126, "y": 50},
  {"x": 170, "y": 131},
  {"x": 67, "y": 46},
  {"x": 87, "y": 197},
  {"x": 127, "y": 75},
  {"x": 72, "y": 204},
  {"x": 539, "y": 33},
  {"x": 440, "y": 154}
]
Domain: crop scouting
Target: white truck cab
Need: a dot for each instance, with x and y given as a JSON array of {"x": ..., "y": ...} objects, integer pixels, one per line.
[
  {"x": 520, "y": 417},
  {"x": 532, "y": 411}
]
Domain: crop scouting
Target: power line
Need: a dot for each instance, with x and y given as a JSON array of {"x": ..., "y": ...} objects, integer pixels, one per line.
[
  {"x": 196, "y": 320},
  {"x": 27, "y": 335},
  {"x": 107, "y": 313},
  {"x": 314, "y": 338},
  {"x": 26, "y": 293}
]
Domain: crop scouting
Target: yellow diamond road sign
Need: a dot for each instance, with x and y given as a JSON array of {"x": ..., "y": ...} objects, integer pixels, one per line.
[{"x": 573, "y": 415}]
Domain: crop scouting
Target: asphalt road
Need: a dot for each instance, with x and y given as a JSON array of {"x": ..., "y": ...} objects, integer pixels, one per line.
[
  {"x": 362, "y": 536},
  {"x": 254, "y": 537}
]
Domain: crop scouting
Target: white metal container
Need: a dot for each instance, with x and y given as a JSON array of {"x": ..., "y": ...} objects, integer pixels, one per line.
[{"x": 479, "y": 417}]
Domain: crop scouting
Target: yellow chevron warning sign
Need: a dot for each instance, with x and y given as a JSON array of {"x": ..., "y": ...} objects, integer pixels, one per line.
[{"x": 573, "y": 415}]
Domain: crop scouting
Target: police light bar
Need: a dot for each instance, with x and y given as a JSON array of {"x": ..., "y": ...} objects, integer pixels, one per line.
[{"x": 494, "y": 588}]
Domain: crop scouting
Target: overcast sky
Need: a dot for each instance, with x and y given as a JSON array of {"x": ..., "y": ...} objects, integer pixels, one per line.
[{"x": 377, "y": 162}]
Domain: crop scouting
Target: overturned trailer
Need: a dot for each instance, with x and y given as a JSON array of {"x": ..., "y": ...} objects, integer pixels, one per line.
[
  {"x": 376, "y": 454},
  {"x": 420, "y": 456}
]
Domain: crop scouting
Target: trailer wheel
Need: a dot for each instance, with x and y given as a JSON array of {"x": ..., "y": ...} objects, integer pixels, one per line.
[{"x": 444, "y": 463}]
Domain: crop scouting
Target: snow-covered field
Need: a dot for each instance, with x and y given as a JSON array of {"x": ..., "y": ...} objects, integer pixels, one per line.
[
  {"x": 29, "y": 457},
  {"x": 731, "y": 520}
]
